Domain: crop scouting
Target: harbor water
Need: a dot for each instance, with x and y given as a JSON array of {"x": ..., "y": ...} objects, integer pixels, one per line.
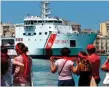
[{"x": 42, "y": 75}]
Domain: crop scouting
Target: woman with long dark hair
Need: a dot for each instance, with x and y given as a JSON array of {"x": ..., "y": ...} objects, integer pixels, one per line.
[
  {"x": 22, "y": 74},
  {"x": 84, "y": 69},
  {"x": 65, "y": 67}
]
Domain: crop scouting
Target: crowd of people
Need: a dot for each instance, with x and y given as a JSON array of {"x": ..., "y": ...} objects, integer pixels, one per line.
[
  {"x": 19, "y": 67},
  {"x": 86, "y": 66}
]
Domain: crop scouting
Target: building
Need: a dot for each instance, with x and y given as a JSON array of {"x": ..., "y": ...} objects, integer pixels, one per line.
[
  {"x": 1, "y": 29},
  {"x": 89, "y": 31},
  {"x": 102, "y": 44},
  {"x": 75, "y": 26},
  {"x": 8, "y": 30},
  {"x": 104, "y": 28}
]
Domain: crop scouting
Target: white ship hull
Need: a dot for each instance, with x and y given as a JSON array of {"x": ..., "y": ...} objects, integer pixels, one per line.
[{"x": 54, "y": 42}]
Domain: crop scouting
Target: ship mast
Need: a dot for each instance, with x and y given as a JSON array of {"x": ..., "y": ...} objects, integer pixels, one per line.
[{"x": 45, "y": 12}]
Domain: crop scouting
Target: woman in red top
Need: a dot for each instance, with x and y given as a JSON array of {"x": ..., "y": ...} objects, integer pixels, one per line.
[{"x": 22, "y": 74}]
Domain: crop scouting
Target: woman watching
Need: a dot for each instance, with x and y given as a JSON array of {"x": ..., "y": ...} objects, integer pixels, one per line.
[{"x": 22, "y": 74}]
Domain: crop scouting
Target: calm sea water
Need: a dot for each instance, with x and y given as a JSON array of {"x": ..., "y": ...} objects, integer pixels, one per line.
[{"x": 43, "y": 77}]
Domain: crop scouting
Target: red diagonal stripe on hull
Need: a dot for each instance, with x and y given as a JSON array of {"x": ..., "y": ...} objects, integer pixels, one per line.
[{"x": 50, "y": 41}]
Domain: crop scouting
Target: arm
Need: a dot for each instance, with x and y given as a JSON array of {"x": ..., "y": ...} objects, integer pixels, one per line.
[
  {"x": 104, "y": 67},
  {"x": 52, "y": 65},
  {"x": 16, "y": 62},
  {"x": 75, "y": 69}
]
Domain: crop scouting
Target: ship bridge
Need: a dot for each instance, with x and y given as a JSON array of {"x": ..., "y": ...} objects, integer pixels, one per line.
[{"x": 34, "y": 20}]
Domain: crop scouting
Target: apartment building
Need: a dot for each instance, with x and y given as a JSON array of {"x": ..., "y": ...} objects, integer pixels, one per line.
[{"x": 104, "y": 28}]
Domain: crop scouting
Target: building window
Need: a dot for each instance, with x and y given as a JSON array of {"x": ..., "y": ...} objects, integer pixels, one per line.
[
  {"x": 49, "y": 26},
  {"x": 101, "y": 47}
]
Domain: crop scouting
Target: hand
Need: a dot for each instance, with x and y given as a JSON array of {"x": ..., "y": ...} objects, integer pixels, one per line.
[
  {"x": 16, "y": 62},
  {"x": 77, "y": 62},
  {"x": 17, "y": 69},
  {"x": 52, "y": 58}
]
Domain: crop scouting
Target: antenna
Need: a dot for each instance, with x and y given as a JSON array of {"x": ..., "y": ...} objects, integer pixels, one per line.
[{"x": 45, "y": 12}]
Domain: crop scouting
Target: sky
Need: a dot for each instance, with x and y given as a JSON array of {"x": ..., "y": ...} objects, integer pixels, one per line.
[{"x": 87, "y": 13}]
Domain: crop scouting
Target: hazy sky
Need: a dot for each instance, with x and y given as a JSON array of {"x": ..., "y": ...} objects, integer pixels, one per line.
[{"x": 87, "y": 13}]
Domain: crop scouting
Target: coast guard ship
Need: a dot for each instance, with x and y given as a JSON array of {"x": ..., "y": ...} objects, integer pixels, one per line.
[{"x": 46, "y": 35}]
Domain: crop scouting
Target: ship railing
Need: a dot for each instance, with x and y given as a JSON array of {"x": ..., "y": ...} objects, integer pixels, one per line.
[
  {"x": 10, "y": 47},
  {"x": 26, "y": 25}
]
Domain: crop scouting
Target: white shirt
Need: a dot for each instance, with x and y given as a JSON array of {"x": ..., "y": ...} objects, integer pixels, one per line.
[
  {"x": 106, "y": 80},
  {"x": 66, "y": 72}
]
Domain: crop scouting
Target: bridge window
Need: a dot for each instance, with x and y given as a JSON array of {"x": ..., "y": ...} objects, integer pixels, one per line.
[
  {"x": 29, "y": 33},
  {"x": 40, "y": 21},
  {"x": 34, "y": 33},
  {"x": 40, "y": 33},
  {"x": 50, "y": 21},
  {"x": 55, "y": 21},
  {"x": 59, "y": 21},
  {"x": 32, "y": 22},
  {"x": 72, "y": 43},
  {"x": 35, "y": 22}
]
